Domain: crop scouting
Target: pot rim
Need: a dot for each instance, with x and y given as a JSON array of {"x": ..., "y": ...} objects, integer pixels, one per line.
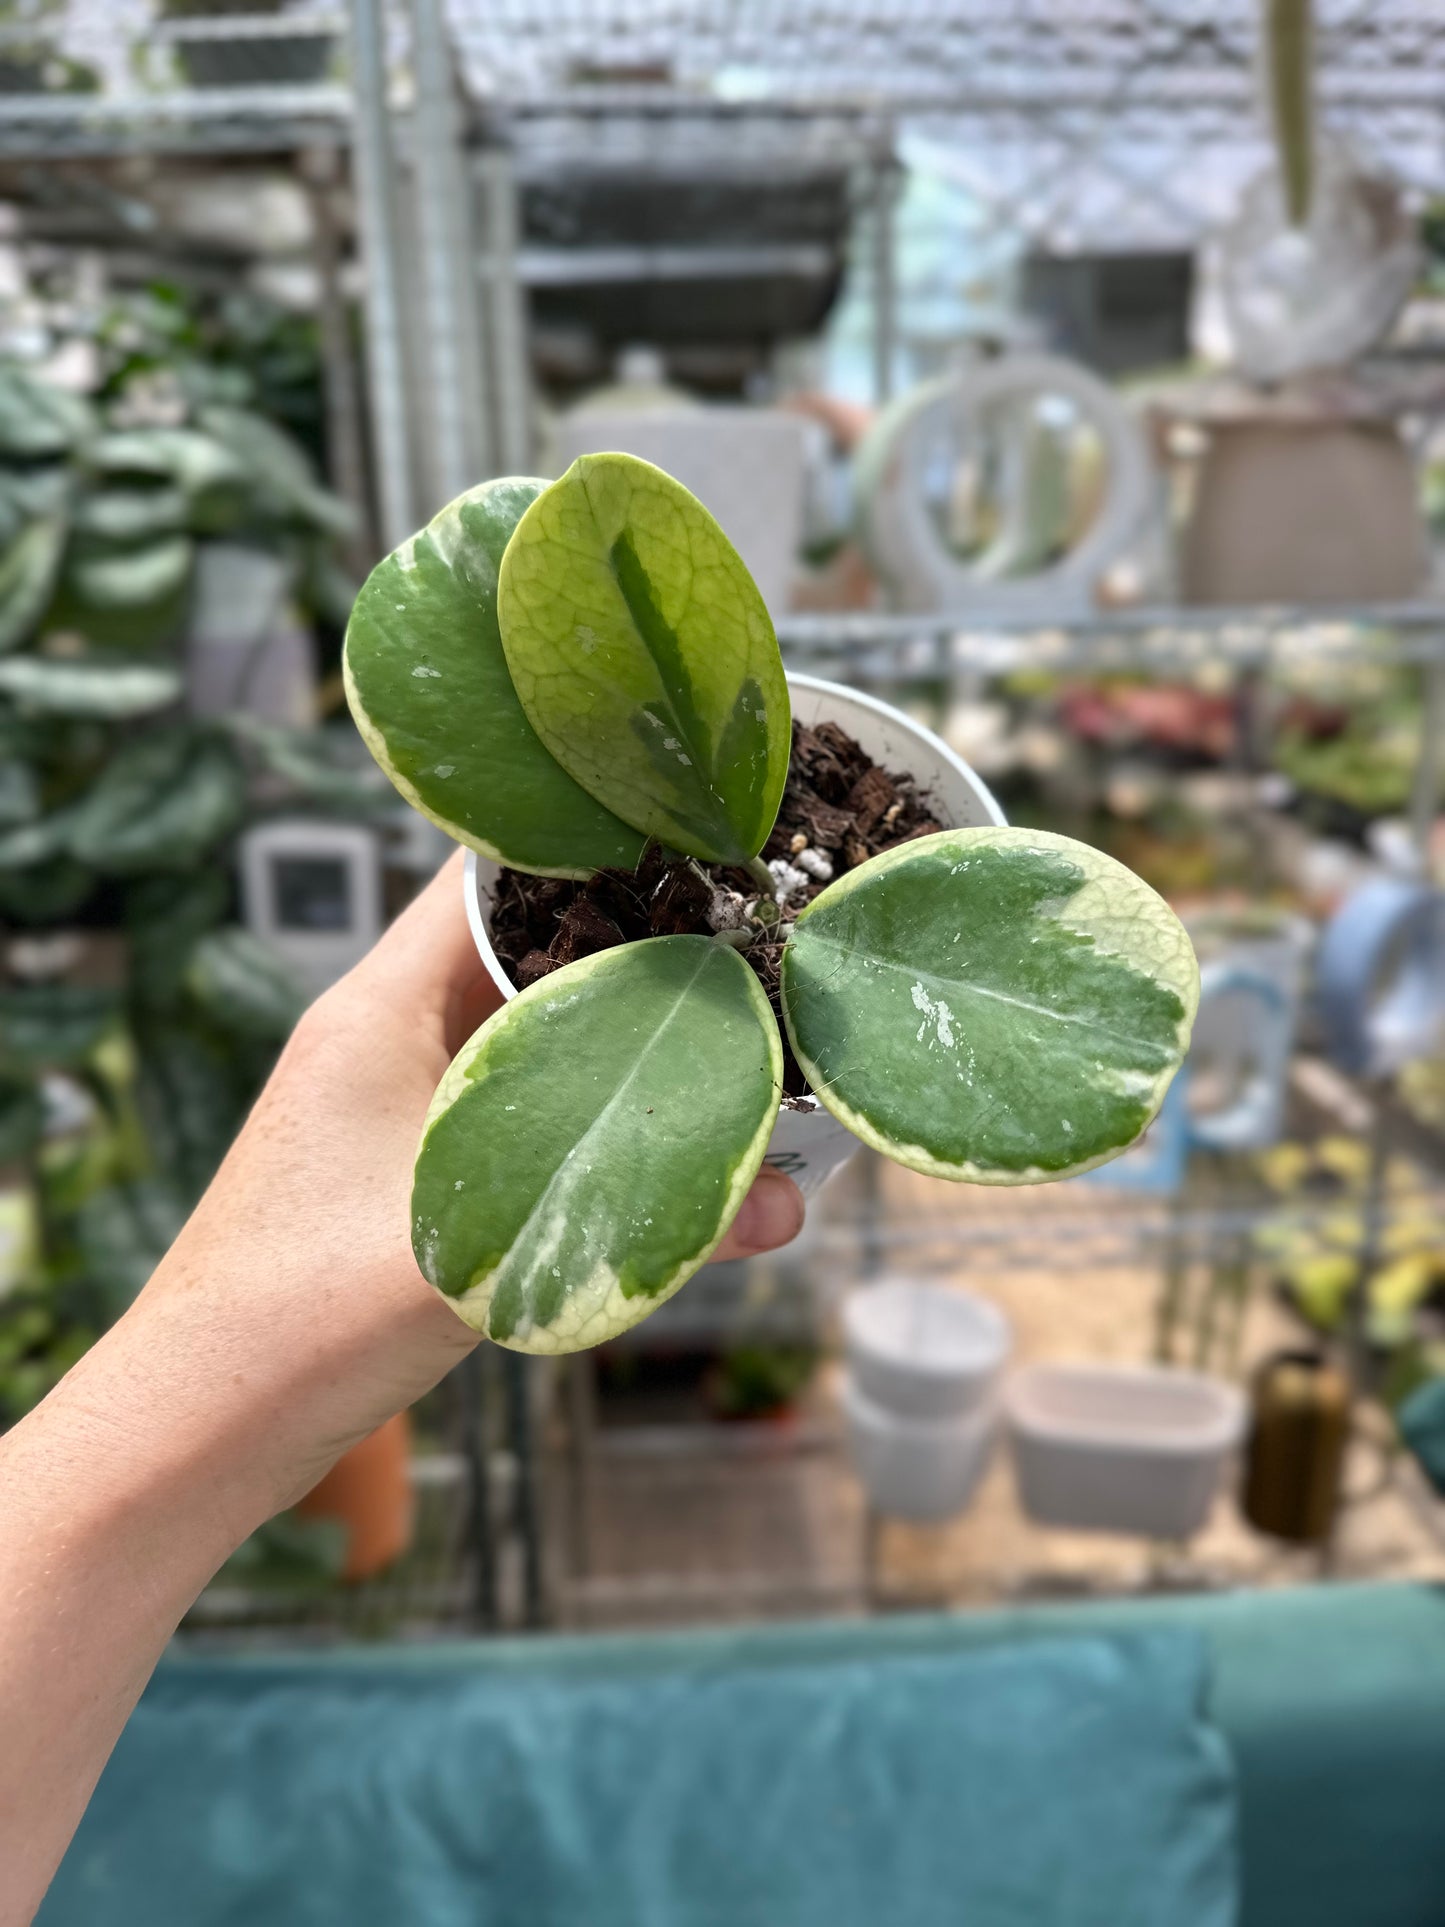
[
  {"x": 992, "y": 1335},
  {"x": 1208, "y": 1432}
]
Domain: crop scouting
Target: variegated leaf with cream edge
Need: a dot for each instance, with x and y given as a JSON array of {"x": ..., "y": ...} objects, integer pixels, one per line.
[
  {"x": 590, "y": 1145},
  {"x": 431, "y": 694},
  {"x": 645, "y": 658},
  {"x": 999, "y": 1005}
]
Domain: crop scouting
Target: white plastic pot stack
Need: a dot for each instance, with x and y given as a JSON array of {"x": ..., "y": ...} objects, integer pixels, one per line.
[
  {"x": 920, "y": 1394},
  {"x": 809, "y": 1143}
]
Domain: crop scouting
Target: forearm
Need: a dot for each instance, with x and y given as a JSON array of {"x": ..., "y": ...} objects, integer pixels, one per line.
[
  {"x": 215, "y": 1402},
  {"x": 111, "y": 1522},
  {"x": 288, "y": 1321}
]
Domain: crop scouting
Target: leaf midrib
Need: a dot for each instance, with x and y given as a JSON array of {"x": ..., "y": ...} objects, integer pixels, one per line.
[
  {"x": 699, "y": 751},
  {"x": 570, "y": 1162},
  {"x": 969, "y": 988}
]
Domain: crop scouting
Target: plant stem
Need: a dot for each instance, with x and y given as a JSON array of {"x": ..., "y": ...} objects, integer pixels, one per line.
[{"x": 762, "y": 876}]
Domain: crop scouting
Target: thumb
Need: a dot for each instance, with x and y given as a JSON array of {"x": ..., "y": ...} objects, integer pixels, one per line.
[{"x": 770, "y": 1215}]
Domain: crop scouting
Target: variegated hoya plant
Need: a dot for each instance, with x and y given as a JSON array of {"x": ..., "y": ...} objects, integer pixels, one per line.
[{"x": 556, "y": 674}]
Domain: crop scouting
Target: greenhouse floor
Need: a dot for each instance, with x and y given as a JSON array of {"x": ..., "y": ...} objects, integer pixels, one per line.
[{"x": 683, "y": 1524}]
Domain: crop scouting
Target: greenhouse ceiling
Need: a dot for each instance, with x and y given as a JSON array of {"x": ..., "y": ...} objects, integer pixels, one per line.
[{"x": 1081, "y": 123}]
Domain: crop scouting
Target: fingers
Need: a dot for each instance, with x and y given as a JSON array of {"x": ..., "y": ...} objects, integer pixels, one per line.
[{"x": 771, "y": 1215}]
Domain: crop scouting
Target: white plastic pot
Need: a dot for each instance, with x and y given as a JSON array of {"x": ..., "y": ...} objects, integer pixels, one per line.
[
  {"x": 924, "y": 1469},
  {"x": 1252, "y": 983},
  {"x": 1131, "y": 1449},
  {"x": 808, "y": 1143},
  {"x": 924, "y": 1351}
]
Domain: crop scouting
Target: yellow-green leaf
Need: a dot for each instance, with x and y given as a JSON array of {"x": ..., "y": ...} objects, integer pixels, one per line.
[{"x": 645, "y": 658}]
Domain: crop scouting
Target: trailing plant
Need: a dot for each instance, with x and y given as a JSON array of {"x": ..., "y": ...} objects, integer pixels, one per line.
[
  {"x": 559, "y": 674},
  {"x": 1289, "y": 59}
]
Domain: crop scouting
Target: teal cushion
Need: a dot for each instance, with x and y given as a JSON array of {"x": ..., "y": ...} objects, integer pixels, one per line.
[
  {"x": 1070, "y": 1784},
  {"x": 1421, "y": 1419}
]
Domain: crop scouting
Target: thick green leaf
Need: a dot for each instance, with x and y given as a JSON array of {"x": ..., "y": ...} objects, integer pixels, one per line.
[
  {"x": 52, "y": 1025},
  {"x": 215, "y": 484},
  {"x": 645, "y": 658},
  {"x": 104, "y": 578},
  {"x": 38, "y": 420},
  {"x": 162, "y": 803},
  {"x": 318, "y": 764},
  {"x": 45, "y": 892},
  {"x": 278, "y": 469},
  {"x": 590, "y": 1145},
  {"x": 109, "y": 689},
  {"x": 28, "y": 571},
  {"x": 430, "y": 690},
  {"x": 41, "y": 840},
  {"x": 19, "y": 791},
  {"x": 166, "y": 916},
  {"x": 189, "y": 1099},
  {"x": 32, "y": 494},
  {"x": 195, "y": 462},
  {"x": 131, "y": 514},
  {"x": 1003, "y": 1006},
  {"x": 244, "y": 987}
]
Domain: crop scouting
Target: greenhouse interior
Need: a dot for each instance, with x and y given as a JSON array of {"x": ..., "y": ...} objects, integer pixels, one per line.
[{"x": 722, "y": 1116}]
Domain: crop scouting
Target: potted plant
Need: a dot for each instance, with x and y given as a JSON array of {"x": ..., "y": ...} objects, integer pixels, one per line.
[
  {"x": 845, "y": 742},
  {"x": 760, "y": 1382},
  {"x": 581, "y": 681}
]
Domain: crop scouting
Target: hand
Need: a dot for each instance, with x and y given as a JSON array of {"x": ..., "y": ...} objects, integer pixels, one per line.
[
  {"x": 318, "y": 1184},
  {"x": 288, "y": 1320}
]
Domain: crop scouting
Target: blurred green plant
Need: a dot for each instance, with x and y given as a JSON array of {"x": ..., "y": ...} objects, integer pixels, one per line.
[
  {"x": 32, "y": 60},
  {"x": 760, "y": 1381},
  {"x": 136, "y": 1020},
  {"x": 1352, "y": 737},
  {"x": 1315, "y": 1244}
]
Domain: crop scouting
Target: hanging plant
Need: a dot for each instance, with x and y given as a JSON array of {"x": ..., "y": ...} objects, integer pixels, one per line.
[{"x": 1289, "y": 62}]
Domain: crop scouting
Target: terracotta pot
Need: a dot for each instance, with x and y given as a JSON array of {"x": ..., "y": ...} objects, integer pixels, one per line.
[{"x": 368, "y": 1490}]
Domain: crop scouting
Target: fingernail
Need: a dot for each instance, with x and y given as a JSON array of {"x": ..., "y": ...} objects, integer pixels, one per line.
[{"x": 771, "y": 1214}]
